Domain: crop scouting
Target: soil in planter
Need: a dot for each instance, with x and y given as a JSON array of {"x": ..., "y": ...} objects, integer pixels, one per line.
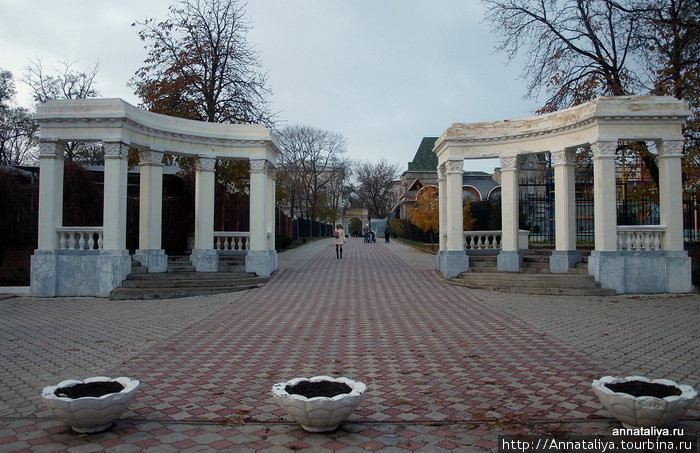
[
  {"x": 320, "y": 388},
  {"x": 641, "y": 388},
  {"x": 94, "y": 389}
]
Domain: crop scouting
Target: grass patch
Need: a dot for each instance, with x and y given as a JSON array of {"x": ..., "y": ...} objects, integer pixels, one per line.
[
  {"x": 300, "y": 242},
  {"x": 422, "y": 246}
]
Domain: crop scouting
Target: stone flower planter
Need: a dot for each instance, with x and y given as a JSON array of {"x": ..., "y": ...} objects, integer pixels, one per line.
[
  {"x": 89, "y": 414},
  {"x": 318, "y": 413},
  {"x": 644, "y": 411}
]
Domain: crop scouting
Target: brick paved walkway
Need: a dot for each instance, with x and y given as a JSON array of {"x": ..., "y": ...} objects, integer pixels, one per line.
[{"x": 447, "y": 369}]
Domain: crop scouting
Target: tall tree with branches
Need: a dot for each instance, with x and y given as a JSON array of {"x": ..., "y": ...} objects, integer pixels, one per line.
[
  {"x": 580, "y": 49},
  {"x": 17, "y": 128},
  {"x": 201, "y": 66},
  {"x": 315, "y": 169},
  {"x": 373, "y": 183},
  {"x": 66, "y": 82}
]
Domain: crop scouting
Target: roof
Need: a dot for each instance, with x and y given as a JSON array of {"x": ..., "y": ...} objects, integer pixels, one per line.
[{"x": 425, "y": 159}]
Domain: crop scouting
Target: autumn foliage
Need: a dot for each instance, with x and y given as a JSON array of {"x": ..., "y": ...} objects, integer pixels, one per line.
[{"x": 426, "y": 214}]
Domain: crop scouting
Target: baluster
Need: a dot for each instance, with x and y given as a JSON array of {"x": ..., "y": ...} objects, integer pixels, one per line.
[
  {"x": 244, "y": 243},
  {"x": 99, "y": 240},
  {"x": 91, "y": 241},
  {"x": 71, "y": 240},
  {"x": 61, "y": 240},
  {"x": 81, "y": 240},
  {"x": 645, "y": 240},
  {"x": 657, "y": 240},
  {"x": 629, "y": 241}
]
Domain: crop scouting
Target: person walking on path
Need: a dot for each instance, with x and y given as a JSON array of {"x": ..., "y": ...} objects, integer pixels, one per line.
[
  {"x": 339, "y": 240},
  {"x": 387, "y": 233}
]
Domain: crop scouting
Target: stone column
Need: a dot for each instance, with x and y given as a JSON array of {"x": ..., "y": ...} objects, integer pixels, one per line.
[
  {"x": 509, "y": 259},
  {"x": 606, "y": 264},
  {"x": 44, "y": 262},
  {"x": 50, "y": 193},
  {"x": 150, "y": 252},
  {"x": 261, "y": 257},
  {"x": 115, "y": 181},
  {"x": 204, "y": 257},
  {"x": 604, "y": 195},
  {"x": 453, "y": 260},
  {"x": 678, "y": 278},
  {"x": 114, "y": 263},
  {"x": 271, "y": 186},
  {"x": 442, "y": 206},
  {"x": 565, "y": 256},
  {"x": 455, "y": 205},
  {"x": 671, "y": 193},
  {"x": 258, "y": 204}
]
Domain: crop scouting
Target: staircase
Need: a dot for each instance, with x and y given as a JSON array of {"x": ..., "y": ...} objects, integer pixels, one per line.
[
  {"x": 533, "y": 278},
  {"x": 181, "y": 280}
]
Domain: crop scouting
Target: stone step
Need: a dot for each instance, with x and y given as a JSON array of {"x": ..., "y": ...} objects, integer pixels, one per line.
[
  {"x": 192, "y": 276},
  {"x": 196, "y": 283},
  {"x": 520, "y": 277},
  {"x": 474, "y": 263},
  {"x": 542, "y": 290},
  {"x": 532, "y": 283},
  {"x": 174, "y": 293},
  {"x": 536, "y": 258}
]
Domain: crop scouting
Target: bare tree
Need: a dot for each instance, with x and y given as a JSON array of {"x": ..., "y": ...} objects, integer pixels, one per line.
[
  {"x": 580, "y": 49},
  {"x": 66, "y": 83},
  {"x": 17, "y": 128},
  {"x": 373, "y": 186},
  {"x": 201, "y": 66},
  {"x": 576, "y": 49},
  {"x": 315, "y": 169}
]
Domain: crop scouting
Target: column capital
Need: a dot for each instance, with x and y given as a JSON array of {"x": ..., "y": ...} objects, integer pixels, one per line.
[
  {"x": 604, "y": 149},
  {"x": 563, "y": 157},
  {"x": 670, "y": 148},
  {"x": 205, "y": 163},
  {"x": 442, "y": 171},
  {"x": 259, "y": 165},
  {"x": 49, "y": 149},
  {"x": 509, "y": 163},
  {"x": 115, "y": 150},
  {"x": 149, "y": 157},
  {"x": 454, "y": 166}
]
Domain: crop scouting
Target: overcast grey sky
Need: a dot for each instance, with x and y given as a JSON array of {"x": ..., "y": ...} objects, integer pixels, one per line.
[{"x": 384, "y": 73}]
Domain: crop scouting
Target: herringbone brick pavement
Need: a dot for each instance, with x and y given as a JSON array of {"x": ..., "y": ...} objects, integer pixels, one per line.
[{"x": 445, "y": 371}]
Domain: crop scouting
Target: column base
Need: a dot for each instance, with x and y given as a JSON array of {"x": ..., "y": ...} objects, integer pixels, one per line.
[
  {"x": 451, "y": 263},
  {"x": 58, "y": 273},
  {"x": 154, "y": 259},
  {"x": 205, "y": 260},
  {"x": 510, "y": 260},
  {"x": 262, "y": 262},
  {"x": 642, "y": 271},
  {"x": 563, "y": 260}
]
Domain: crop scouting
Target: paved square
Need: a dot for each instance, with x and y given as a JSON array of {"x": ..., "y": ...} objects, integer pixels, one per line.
[{"x": 447, "y": 368}]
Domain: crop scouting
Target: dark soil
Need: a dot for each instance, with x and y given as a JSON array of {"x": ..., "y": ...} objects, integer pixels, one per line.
[
  {"x": 94, "y": 389},
  {"x": 641, "y": 388},
  {"x": 321, "y": 388}
]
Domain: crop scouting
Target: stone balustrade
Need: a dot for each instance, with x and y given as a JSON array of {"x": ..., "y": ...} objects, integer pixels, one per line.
[
  {"x": 482, "y": 240},
  {"x": 640, "y": 237},
  {"x": 79, "y": 238},
  {"x": 491, "y": 240},
  {"x": 232, "y": 240}
]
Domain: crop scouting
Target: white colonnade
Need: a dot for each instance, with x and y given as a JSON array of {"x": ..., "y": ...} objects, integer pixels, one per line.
[
  {"x": 92, "y": 261},
  {"x": 600, "y": 125}
]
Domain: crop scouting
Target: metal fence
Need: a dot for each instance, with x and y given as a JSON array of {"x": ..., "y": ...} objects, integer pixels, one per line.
[{"x": 537, "y": 211}]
